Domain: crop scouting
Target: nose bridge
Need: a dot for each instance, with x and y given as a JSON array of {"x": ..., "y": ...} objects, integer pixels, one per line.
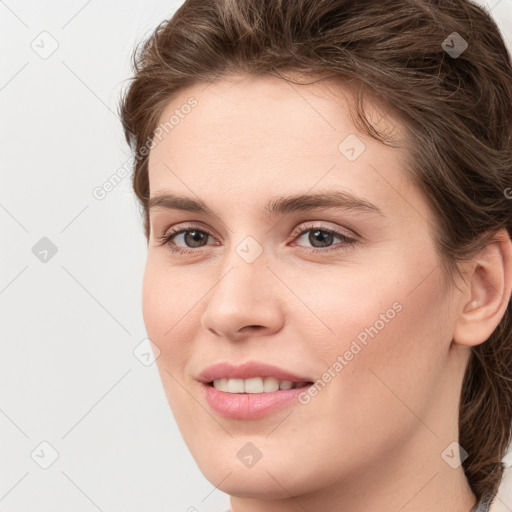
[
  {"x": 242, "y": 294},
  {"x": 241, "y": 274}
]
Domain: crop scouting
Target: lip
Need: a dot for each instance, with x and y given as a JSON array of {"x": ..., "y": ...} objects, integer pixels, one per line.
[
  {"x": 248, "y": 406},
  {"x": 248, "y": 370}
]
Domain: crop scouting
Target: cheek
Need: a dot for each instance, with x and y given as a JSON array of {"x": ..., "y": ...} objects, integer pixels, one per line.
[
  {"x": 389, "y": 320},
  {"x": 169, "y": 296},
  {"x": 169, "y": 314},
  {"x": 158, "y": 303},
  {"x": 393, "y": 342},
  {"x": 169, "y": 307}
]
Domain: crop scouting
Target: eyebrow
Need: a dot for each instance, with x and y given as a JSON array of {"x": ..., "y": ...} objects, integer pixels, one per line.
[{"x": 276, "y": 206}]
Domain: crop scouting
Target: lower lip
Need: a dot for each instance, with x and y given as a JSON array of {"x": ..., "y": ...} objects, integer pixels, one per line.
[{"x": 250, "y": 406}]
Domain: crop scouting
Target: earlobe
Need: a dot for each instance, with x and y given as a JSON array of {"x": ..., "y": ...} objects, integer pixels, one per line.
[{"x": 489, "y": 286}]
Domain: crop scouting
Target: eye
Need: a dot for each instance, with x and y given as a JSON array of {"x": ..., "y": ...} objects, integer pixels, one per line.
[
  {"x": 320, "y": 237},
  {"x": 192, "y": 235}
]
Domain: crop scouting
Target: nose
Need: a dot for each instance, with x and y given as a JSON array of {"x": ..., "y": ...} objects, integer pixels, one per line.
[{"x": 247, "y": 300}]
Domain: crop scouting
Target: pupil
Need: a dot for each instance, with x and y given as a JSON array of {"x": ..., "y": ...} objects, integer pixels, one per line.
[
  {"x": 195, "y": 236},
  {"x": 323, "y": 237}
]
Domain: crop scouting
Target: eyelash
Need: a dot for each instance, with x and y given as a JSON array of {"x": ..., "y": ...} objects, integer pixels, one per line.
[{"x": 346, "y": 243}]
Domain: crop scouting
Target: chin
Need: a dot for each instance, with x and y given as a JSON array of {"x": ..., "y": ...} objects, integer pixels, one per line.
[
  {"x": 259, "y": 486},
  {"x": 266, "y": 479}
]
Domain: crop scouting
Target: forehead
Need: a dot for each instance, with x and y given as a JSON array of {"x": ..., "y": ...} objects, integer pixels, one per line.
[{"x": 262, "y": 123}]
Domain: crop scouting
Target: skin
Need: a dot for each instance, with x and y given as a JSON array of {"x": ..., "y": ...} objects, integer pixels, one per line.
[{"x": 372, "y": 439}]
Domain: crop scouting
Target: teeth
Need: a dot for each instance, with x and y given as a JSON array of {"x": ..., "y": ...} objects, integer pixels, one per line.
[
  {"x": 254, "y": 385},
  {"x": 221, "y": 384},
  {"x": 235, "y": 386}
]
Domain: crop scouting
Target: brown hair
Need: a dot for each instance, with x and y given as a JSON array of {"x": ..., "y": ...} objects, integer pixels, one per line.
[{"x": 457, "y": 111}]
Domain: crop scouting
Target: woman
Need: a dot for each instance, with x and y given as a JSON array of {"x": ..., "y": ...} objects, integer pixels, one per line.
[{"x": 326, "y": 194}]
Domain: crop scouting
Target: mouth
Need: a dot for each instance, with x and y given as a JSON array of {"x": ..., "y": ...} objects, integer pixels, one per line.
[{"x": 251, "y": 390}]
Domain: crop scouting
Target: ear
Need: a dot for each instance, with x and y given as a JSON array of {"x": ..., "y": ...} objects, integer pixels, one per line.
[{"x": 487, "y": 292}]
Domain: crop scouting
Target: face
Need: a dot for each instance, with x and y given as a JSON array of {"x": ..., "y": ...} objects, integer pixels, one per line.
[{"x": 341, "y": 291}]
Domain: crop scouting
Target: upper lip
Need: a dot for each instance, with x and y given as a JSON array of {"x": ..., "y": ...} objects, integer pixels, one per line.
[{"x": 246, "y": 371}]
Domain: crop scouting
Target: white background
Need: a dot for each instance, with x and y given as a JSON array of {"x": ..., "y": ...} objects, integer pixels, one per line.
[{"x": 68, "y": 375}]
